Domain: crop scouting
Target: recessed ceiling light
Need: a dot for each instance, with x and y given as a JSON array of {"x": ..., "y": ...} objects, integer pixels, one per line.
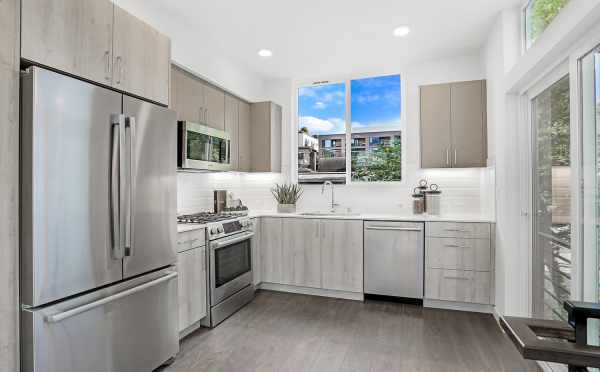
[
  {"x": 265, "y": 53},
  {"x": 401, "y": 31}
]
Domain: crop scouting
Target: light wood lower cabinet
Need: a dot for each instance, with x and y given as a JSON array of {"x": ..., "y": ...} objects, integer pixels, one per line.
[
  {"x": 271, "y": 250},
  {"x": 458, "y": 285},
  {"x": 256, "y": 253},
  {"x": 301, "y": 252},
  {"x": 342, "y": 255},
  {"x": 324, "y": 254},
  {"x": 191, "y": 266}
]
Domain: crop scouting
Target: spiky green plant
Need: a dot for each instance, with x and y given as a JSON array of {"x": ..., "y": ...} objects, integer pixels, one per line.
[{"x": 287, "y": 193}]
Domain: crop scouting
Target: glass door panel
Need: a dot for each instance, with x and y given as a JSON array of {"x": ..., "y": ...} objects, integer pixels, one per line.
[{"x": 552, "y": 201}]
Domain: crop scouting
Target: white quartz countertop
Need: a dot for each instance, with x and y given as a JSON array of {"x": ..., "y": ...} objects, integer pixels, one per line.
[
  {"x": 380, "y": 217},
  {"x": 183, "y": 227}
]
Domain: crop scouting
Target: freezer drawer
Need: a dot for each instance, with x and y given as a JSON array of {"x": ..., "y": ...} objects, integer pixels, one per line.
[
  {"x": 394, "y": 259},
  {"x": 130, "y": 327}
]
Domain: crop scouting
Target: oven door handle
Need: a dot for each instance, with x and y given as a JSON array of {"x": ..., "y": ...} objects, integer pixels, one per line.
[{"x": 237, "y": 239}]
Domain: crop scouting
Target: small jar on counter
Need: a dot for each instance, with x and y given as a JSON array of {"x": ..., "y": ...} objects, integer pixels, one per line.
[
  {"x": 418, "y": 201},
  {"x": 432, "y": 200}
]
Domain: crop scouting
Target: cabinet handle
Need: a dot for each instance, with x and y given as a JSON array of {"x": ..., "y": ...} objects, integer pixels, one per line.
[
  {"x": 447, "y": 155},
  {"x": 390, "y": 228},
  {"x": 456, "y": 230},
  {"x": 205, "y": 116},
  {"x": 107, "y": 65},
  {"x": 455, "y": 157},
  {"x": 118, "y": 68},
  {"x": 455, "y": 246},
  {"x": 455, "y": 277}
]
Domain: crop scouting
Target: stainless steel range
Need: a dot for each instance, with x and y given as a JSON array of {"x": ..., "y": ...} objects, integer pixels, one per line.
[{"x": 229, "y": 257}]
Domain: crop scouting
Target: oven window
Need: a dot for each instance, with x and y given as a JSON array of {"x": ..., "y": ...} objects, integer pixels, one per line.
[
  {"x": 197, "y": 146},
  {"x": 232, "y": 261}
]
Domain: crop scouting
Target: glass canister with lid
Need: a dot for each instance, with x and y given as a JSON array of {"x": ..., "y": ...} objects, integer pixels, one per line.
[
  {"x": 418, "y": 199},
  {"x": 432, "y": 200}
]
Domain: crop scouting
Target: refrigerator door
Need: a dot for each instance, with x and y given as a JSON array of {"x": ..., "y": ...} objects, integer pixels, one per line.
[
  {"x": 131, "y": 326},
  {"x": 67, "y": 162},
  {"x": 151, "y": 229}
]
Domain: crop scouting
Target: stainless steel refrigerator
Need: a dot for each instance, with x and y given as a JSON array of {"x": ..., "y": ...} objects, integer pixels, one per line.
[{"x": 98, "y": 228}]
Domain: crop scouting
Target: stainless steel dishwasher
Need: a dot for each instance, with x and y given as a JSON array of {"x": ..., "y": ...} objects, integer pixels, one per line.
[{"x": 394, "y": 255}]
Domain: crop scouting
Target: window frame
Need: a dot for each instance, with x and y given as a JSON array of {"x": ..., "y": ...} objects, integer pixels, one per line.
[
  {"x": 524, "y": 40},
  {"x": 346, "y": 80}
]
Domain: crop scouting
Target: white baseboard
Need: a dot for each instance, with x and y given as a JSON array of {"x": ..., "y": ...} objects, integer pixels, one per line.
[
  {"x": 311, "y": 291},
  {"x": 459, "y": 306}
]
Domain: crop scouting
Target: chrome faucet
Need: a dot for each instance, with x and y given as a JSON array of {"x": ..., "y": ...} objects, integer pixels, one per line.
[{"x": 333, "y": 204}]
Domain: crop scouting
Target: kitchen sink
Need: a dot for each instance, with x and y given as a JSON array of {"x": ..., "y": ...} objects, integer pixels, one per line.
[{"x": 329, "y": 213}]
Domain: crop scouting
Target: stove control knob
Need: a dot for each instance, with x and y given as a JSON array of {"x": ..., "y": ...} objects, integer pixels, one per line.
[
  {"x": 214, "y": 231},
  {"x": 244, "y": 223},
  {"x": 220, "y": 229}
]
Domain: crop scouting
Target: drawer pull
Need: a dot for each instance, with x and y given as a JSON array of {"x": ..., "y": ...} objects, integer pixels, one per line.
[
  {"x": 455, "y": 246},
  {"x": 456, "y": 230},
  {"x": 189, "y": 241},
  {"x": 456, "y": 277}
]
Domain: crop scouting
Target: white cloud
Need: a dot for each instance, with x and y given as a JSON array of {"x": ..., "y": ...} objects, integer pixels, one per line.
[
  {"x": 321, "y": 126},
  {"x": 320, "y": 105}
]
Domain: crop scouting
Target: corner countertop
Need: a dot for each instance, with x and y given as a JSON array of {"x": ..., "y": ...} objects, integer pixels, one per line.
[{"x": 183, "y": 227}]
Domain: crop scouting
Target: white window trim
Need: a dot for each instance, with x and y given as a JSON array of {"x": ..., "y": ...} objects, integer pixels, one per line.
[{"x": 346, "y": 79}]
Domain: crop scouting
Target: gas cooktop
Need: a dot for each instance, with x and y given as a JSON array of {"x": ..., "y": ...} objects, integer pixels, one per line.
[{"x": 208, "y": 217}]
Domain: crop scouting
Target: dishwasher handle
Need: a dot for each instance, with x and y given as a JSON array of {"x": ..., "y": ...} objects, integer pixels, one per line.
[{"x": 391, "y": 228}]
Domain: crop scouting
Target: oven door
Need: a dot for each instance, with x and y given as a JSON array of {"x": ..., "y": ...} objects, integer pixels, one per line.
[{"x": 230, "y": 266}]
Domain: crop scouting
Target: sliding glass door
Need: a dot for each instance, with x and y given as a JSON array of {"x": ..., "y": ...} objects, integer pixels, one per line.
[{"x": 552, "y": 261}]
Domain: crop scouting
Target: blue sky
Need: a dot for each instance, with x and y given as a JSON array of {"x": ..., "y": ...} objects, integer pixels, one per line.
[{"x": 376, "y": 105}]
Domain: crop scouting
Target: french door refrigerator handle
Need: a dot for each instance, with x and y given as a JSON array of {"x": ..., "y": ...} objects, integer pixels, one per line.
[
  {"x": 117, "y": 122},
  {"x": 55, "y": 318},
  {"x": 129, "y": 237}
]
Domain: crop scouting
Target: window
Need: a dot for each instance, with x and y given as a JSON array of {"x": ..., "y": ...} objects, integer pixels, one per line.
[
  {"x": 538, "y": 15},
  {"x": 371, "y": 144}
]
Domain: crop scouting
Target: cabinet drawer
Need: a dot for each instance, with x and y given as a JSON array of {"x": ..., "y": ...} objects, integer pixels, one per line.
[
  {"x": 458, "y": 285},
  {"x": 191, "y": 239},
  {"x": 458, "y": 230},
  {"x": 458, "y": 254}
]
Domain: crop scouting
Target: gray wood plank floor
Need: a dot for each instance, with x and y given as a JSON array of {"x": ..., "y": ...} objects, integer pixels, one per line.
[{"x": 289, "y": 332}]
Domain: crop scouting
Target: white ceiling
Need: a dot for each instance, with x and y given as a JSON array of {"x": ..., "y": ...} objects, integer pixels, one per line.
[{"x": 321, "y": 38}]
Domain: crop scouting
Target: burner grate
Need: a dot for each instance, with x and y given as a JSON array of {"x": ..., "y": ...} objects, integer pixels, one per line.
[{"x": 207, "y": 217}]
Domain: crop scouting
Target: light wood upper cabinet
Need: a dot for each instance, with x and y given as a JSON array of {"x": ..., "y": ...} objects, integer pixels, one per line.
[
  {"x": 244, "y": 140},
  {"x": 435, "y": 126},
  {"x": 301, "y": 252},
  {"x": 469, "y": 122},
  {"x": 73, "y": 36},
  {"x": 215, "y": 107},
  {"x": 232, "y": 127},
  {"x": 142, "y": 58},
  {"x": 187, "y": 96},
  {"x": 265, "y": 139},
  {"x": 98, "y": 41},
  {"x": 342, "y": 255},
  {"x": 453, "y": 125},
  {"x": 271, "y": 250}
]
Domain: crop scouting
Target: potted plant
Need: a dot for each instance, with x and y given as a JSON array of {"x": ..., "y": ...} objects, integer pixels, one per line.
[{"x": 286, "y": 195}]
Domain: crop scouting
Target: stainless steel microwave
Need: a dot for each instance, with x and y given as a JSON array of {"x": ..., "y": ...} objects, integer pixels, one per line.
[{"x": 202, "y": 147}]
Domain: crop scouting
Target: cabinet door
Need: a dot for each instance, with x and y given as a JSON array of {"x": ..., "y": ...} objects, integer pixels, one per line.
[
  {"x": 271, "y": 250},
  {"x": 191, "y": 266},
  {"x": 188, "y": 96},
  {"x": 244, "y": 136},
  {"x": 469, "y": 140},
  {"x": 142, "y": 58},
  {"x": 301, "y": 252},
  {"x": 256, "y": 253},
  {"x": 435, "y": 126},
  {"x": 215, "y": 107},
  {"x": 231, "y": 127},
  {"x": 74, "y": 36},
  {"x": 342, "y": 255}
]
